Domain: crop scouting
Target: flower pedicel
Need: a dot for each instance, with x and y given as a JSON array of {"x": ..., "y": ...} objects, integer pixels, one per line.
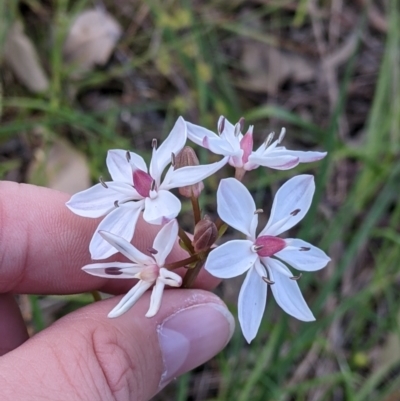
[{"x": 134, "y": 189}]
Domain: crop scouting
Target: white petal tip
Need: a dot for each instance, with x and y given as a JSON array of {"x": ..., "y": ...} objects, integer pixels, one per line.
[
  {"x": 113, "y": 315},
  {"x": 249, "y": 339}
]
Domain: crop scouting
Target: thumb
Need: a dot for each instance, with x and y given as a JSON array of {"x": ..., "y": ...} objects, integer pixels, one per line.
[{"x": 86, "y": 356}]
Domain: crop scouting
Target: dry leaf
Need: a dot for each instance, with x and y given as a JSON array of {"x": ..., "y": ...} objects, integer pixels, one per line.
[
  {"x": 91, "y": 39},
  {"x": 62, "y": 168},
  {"x": 268, "y": 68},
  {"x": 20, "y": 54}
]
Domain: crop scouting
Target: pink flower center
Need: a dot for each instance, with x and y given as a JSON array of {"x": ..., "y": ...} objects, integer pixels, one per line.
[
  {"x": 267, "y": 245},
  {"x": 246, "y": 144},
  {"x": 150, "y": 273},
  {"x": 142, "y": 183}
]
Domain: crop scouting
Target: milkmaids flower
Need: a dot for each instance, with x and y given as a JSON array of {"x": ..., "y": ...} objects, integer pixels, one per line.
[
  {"x": 134, "y": 188},
  {"x": 149, "y": 270},
  {"x": 239, "y": 148},
  {"x": 262, "y": 256}
]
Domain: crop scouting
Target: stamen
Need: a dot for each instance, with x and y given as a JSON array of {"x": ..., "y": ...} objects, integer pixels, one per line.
[
  {"x": 258, "y": 247},
  {"x": 116, "y": 204},
  {"x": 221, "y": 126},
  {"x": 237, "y": 129},
  {"x": 296, "y": 278},
  {"x": 258, "y": 211},
  {"x": 152, "y": 250},
  {"x": 173, "y": 159},
  {"x": 269, "y": 139},
  {"x": 128, "y": 156},
  {"x": 102, "y": 182},
  {"x": 267, "y": 280},
  {"x": 282, "y": 134},
  {"x": 241, "y": 123},
  {"x": 154, "y": 143},
  {"x": 295, "y": 212},
  {"x": 113, "y": 271},
  {"x": 304, "y": 248}
]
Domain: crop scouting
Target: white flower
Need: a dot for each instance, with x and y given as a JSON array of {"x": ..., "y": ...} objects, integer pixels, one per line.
[
  {"x": 149, "y": 270},
  {"x": 239, "y": 148},
  {"x": 133, "y": 188},
  {"x": 262, "y": 256}
]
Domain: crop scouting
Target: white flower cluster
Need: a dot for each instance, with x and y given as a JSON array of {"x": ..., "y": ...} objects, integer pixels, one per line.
[{"x": 136, "y": 189}]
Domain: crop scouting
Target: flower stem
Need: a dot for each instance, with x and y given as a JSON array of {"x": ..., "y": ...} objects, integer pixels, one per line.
[
  {"x": 96, "y": 296},
  {"x": 239, "y": 173},
  {"x": 181, "y": 263},
  {"x": 196, "y": 209},
  {"x": 192, "y": 274}
]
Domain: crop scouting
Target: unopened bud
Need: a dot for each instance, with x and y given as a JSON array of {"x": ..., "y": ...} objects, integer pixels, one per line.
[
  {"x": 187, "y": 157},
  {"x": 205, "y": 234}
]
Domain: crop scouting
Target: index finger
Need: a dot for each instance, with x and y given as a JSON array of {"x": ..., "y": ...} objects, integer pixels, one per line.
[{"x": 43, "y": 245}]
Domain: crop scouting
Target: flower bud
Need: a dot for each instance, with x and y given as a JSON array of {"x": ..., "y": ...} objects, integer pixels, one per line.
[
  {"x": 205, "y": 234},
  {"x": 187, "y": 157}
]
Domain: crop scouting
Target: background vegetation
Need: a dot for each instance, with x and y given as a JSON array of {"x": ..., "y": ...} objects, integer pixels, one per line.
[{"x": 326, "y": 70}]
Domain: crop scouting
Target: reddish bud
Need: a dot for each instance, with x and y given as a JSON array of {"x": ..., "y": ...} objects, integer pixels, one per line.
[
  {"x": 268, "y": 245},
  {"x": 205, "y": 234},
  {"x": 187, "y": 157}
]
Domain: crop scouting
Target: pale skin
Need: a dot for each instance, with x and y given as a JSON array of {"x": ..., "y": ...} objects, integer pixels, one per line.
[{"x": 84, "y": 355}]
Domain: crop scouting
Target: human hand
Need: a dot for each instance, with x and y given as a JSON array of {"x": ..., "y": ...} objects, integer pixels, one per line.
[{"x": 85, "y": 355}]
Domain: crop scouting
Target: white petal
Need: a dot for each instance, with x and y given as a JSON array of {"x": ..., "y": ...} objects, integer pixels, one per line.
[
  {"x": 137, "y": 162},
  {"x": 123, "y": 188},
  {"x": 172, "y": 144},
  {"x": 130, "y": 298},
  {"x": 304, "y": 157},
  {"x": 276, "y": 265},
  {"x": 220, "y": 146},
  {"x": 236, "y": 206},
  {"x": 127, "y": 249},
  {"x": 165, "y": 206},
  {"x": 302, "y": 255},
  {"x": 93, "y": 202},
  {"x": 155, "y": 299},
  {"x": 288, "y": 296},
  {"x": 170, "y": 278},
  {"x": 277, "y": 162},
  {"x": 121, "y": 221},
  {"x": 231, "y": 259},
  {"x": 190, "y": 175},
  {"x": 196, "y": 133},
  {"x": 164, "y": 241},
  {"x": 121, "y": 270},
  {"x": 291, "y": 204},
  {"x": 118, "y": 166},
  {"x": 228, "y": 135},
  {"x": 251, "y": 304}
]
